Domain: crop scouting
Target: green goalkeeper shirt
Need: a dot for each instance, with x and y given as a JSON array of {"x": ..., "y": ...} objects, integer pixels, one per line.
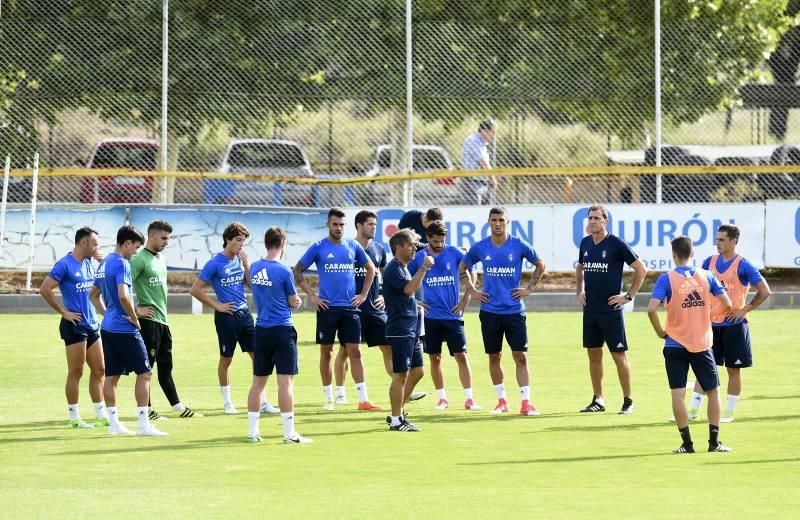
[{"x": 149, "y": 275}]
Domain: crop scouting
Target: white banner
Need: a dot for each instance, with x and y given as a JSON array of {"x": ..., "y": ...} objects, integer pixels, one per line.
[{"x": 782, "y": 242}]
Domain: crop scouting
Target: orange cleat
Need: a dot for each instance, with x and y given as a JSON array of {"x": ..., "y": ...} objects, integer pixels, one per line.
[
  {"x": 502, "y": 407},
  {"x": 528, "y": 409},
  {"x": 368, "y": 407}
]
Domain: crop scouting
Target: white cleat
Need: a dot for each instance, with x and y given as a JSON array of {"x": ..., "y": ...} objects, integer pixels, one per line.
[
  {"x": 329, "y": 406},
  {"x": 229, "y": 409},
  {"x": 151, "y": 431},
  {"x": 268, "y": 408},
  {"x": 341, "y": 399},
  {"x": 442, "y": 404},
  {"x": 119, "y": 429},
  {"x": 255, "y": 438},
  {"x": 727, "y": 418},
  {"x": 297, "y": 439}
]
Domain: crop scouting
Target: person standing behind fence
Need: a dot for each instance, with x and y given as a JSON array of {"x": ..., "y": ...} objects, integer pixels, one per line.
[{"x": 475, "y": 156}]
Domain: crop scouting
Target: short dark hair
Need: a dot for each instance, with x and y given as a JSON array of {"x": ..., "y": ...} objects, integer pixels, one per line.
[
  {"x": 598, "y": 207},
  {"x": 401, "y": 238},
  {"x": 486, "y": 124},
  {"x": 274, "y": 237},
  {"x": 731, "y": 230},
  {"x": 129, "y": 232},
  {"x": 436, "y": 228},
  {"x": 682, "y": 247},
  {"x": 233, "y": 230},
  {"x": 84, "y": 232},
  {"x": 335, "y": 213},
  {"x": 159, "y": 225},
  {"x": 497, "y": 210},
  {"x": 364, "y": 215},
  {"x": 434, "y": 214}
]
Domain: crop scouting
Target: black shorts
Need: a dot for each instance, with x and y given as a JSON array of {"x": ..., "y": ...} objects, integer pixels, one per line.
[
  {"x": 373, "y": 330},
  {"x": 124, "y": 353},
  {"x": 275, "y": 349},
  {"x": 232, "y": 329},
  {"x": 677, "y": 361},
  {"x": 72, "y": 334},
  {"x": 158, "y": 340},
  {"x": 495, "y": 326},
  {"x": 406, "y": 353},
  {"x": 604, "y": 327},
  {"x": 732, "y": 346},
  {"x": 440, "y": 331},
  {"x": 344, "y": 320}
]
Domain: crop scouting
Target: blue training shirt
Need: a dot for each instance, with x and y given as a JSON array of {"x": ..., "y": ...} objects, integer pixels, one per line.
[
  {"x": 336, "y": 265},
  {"x": 602, "y": 270},
  {"x": 75, "y": 280},
  {"x": 748, "y": 275},
  {"x": 272, "y": 283},
  {"x": 441, "y": 282},
  {"x": 401, "y": 309},
  {"x": 377, "y": 254},
  {"x": 113, "y": 271},
  {"x": 502, "y": 267},
  {"x": 663, "y": 291},
  {"x": 226, "y": 276}
]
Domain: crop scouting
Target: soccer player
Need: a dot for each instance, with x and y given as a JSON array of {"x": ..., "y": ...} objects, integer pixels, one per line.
[
  {"x": 502, "y": 307},
  {"x": 688, "y": 293},
  {"x": 337, "y": 303},
  {"x": 74, "y": 276},
  {"x": 403, "y": 324},
  {"x": 149, "y": 275},
  {"x": 443, "y": 317},
  {"x": 276, "y": 339},
  {"x": 418, "y": 221},
  {"x": 228, "y": 272},
  {"x": 731, "y": 331},
  {"x": 123, "y": 346},
  {"x": 599, "y": 279}
]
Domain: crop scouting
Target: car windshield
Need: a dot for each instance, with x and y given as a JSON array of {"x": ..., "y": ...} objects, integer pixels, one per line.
[
  {"x": 265, "y": 155},
  {"x": 125, "y": 156}
]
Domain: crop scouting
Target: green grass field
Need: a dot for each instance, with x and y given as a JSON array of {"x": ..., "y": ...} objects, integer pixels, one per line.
[{"x": 462, "y": 465}]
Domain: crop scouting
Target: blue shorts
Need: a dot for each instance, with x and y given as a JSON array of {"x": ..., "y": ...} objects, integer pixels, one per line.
[
  {"x": 406, "y": 353},
  {"x": 275, "y": 348},
  {"x": 124, "y": 353},
  {"x": 604, "y": 327},
  {"x": 373, "y": 330},
  {"x": 344, "y": 320},
  {"x": 439, "y": 331},
  {"x": 494, "y": 326},
  {"x": 72, "y": 334},
  {"x": 677, "y": 361},
  {"x": 232, "y": 329},
  {"x": 732, "y": 346}
]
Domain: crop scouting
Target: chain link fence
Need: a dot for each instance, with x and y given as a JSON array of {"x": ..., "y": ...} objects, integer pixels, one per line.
[{"x": 264, "y": 93}]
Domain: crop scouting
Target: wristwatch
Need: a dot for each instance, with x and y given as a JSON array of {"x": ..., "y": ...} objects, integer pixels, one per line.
[{"x": 628, "y": 297}]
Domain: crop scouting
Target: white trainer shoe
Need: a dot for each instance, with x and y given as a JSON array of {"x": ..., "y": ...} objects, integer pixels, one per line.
[
  {"x": 297, "y": 439},
  {"x": 341, "y": 399},
  {"x": 268, "y": 408},
  {"x": 229, "y": 409},
  {"x": 151, "y": 431},
  {"x": 119, "y": 429}
]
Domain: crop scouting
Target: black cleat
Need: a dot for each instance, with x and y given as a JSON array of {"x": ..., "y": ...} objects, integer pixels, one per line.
[
  {"x": 627, "y": 406},
  {"x": 719, "y": 447},
  {"x": 594, "y": 406},
  {"x": 684, "y": 449},
  {"x": 404, "y": 426},
  {"x": 155, "y": 416}
]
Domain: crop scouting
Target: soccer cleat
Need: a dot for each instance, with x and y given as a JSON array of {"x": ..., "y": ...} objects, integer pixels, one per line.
[
  {"x": 727, "y": 418},
  {"x": 502, "y": 407},
  {"x": 404, "y": 426},
  {"x": 694, "y": 413},
  {"x": 416, "y": 396},
  {"x": 593, "y": 407},
  {"x": 119, "y": 429},
  {"x": 80, "y": 424},
  {"x": 341, "y": 399},
  {"x": 684, "y": 449},
  {"x": 366, "y": 406},
  {"x": 528, "y": 409},
  {"x": 101, "y": 422},
  {"x": 255, "y": 438},
  {"x": 229, "y": 409},
  {"x": 268, "y": 408},
  {"x": 627, "y": 406},
  {"x": 150, "y": 431},
  {"x": 469, "y": 404},
  {"x": 719, "y": 447},
  {"x": 155, "y": 416},
  {"x": 328, "y": 406},
  {"x": 188, "y": 412},
  {"x": 442, "y": 404},
  {"x": 297, "y": 439}
]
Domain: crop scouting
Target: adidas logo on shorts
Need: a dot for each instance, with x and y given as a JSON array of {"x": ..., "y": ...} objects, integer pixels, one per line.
[{"x": 693, "y": 299}]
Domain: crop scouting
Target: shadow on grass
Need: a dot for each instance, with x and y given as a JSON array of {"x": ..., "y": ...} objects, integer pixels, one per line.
[
  {"x": 28, "y": 440},
  {"x": 567, "y": 459},
  {"x": 164, "y": 444},
  {"x": 767, "y": 461},
  {"x": 34, "y": 426},
  {"x": 770, "y": 397}
]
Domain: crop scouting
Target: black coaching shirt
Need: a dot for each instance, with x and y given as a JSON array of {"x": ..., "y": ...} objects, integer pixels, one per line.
[{"x": 602, "y": 270}]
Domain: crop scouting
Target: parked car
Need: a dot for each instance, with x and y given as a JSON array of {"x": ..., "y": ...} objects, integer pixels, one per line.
[
  {"x": 125, "y": 153},
  {"x": 268, "y": 158}
]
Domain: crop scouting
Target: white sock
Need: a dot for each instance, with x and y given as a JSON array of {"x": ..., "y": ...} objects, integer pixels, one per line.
[
  {"x": 226, "y": 394},
  {"x": 500, "y": 390},
  {"x": 74, "y": 414},
  {"x": 732, "y": 400},
  {"x": 113, "y": 418},
  {"x": 287, "y": 418},
  {"x": 599, "y": 400},
  {"x": 264, "y": 397},
  {"x": 144, "y": 418},
  {"x": 252, "y": 418},
  {"x": 525, "y": 393},
  {"x": 467, "y": 394},
  {"x": 395, "y": 420},
  {"x": 179, "y": 407},
  {"x": 441, "y": 394},
  {"x": 341, "y": 392},
  {"x": 361, "y": 388},
  {"x": 328, "y": 391},
  {"x": 100, "y": 410},
  {"x": 697, "y": 401}
]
